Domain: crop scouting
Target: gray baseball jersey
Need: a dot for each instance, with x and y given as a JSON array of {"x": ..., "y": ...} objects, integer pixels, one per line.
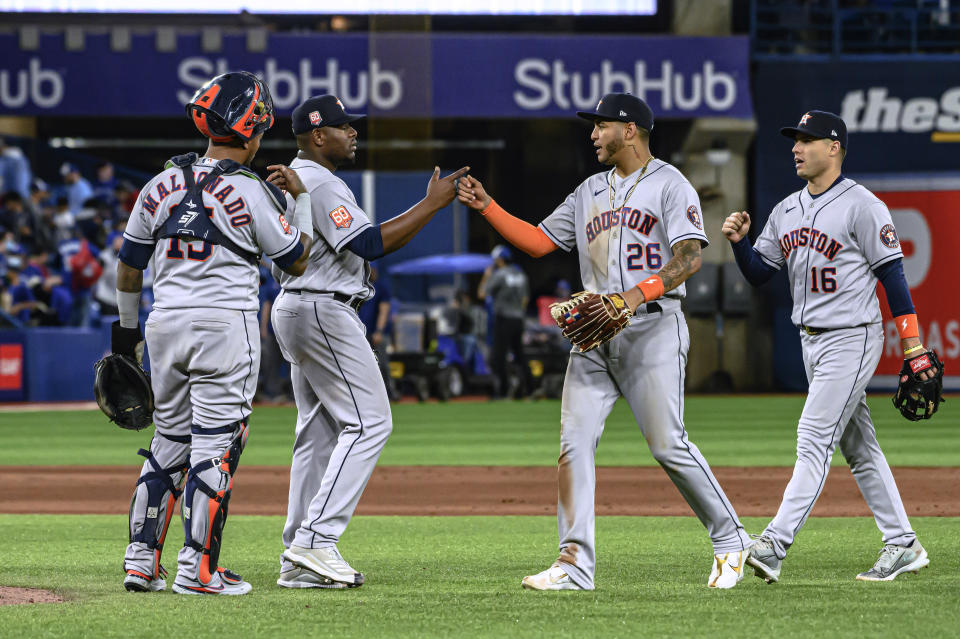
[
  {"x": 624, "y": 231},
  {"x": 509, "y": 289},
  {"x": 337, "y": 219},
  {"x": 192, "y": 274},
  {"x": 343, "y": 412},
  {"x": 203, "y": 339},
  {"x": 830, "y": 245}
]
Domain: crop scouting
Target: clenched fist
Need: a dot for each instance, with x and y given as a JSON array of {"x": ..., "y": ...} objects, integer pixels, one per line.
[{"x": 736, "y": 226}]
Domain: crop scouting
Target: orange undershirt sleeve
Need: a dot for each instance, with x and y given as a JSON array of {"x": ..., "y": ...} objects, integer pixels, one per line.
[{"x": 525, "y": 236}]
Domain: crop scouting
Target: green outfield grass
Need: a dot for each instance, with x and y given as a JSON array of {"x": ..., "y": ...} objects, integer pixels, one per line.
[
  {"x": 731, "y": 431},
  {"x": 460, "y": 576}
]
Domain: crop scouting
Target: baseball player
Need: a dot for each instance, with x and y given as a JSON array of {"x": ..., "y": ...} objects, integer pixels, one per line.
[
  {"x": 637, "y": 229},
  {"x": 206, "y": 220},
  {"x": 343, "y": 413},
  {"x": 836, "y": 240}
]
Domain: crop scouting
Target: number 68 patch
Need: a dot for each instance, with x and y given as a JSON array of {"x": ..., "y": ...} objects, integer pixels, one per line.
[{"x": 341, "y": 217}]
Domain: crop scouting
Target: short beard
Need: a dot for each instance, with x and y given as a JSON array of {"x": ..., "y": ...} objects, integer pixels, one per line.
[{"x": 612, "y": 148}]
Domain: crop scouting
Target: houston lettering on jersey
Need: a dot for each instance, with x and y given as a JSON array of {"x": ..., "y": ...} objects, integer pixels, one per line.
[
  {"x": 815, "y": 239},
  {"x": 634, "y": 219},
  {"x": 161, "y": 191}
]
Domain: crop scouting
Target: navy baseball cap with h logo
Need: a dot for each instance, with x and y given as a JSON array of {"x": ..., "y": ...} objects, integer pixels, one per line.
[
  {"x": 819, "y": 124},
  {"x": 621, "y": 107}
]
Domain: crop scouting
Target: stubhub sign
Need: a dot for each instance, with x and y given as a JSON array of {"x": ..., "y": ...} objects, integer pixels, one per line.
[{"x": 403, "y": 75}]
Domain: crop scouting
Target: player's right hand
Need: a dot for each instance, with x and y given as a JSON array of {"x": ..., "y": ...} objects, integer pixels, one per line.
[
  {"x": 471, "y": 193},
  {"x": 443, "y": 190},
  {"x": 736, "y": 226},
  {"x": 283, "y": 177}
]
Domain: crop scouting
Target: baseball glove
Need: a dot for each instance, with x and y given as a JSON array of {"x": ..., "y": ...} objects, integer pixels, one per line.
[
  {"x": 123, "y": 392},
  {"x": 916, "y": 398},
  {"x": 590, "y": 319}
]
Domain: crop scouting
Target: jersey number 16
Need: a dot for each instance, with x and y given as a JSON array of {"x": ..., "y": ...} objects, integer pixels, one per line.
[{"x": 827, "y": 282}]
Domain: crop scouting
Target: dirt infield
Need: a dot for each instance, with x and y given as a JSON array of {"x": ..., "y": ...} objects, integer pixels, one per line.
[{"x": 477, "y": 490}]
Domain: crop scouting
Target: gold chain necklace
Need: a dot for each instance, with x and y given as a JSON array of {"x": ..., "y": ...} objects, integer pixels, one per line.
[{"x": 612, "y": 191}]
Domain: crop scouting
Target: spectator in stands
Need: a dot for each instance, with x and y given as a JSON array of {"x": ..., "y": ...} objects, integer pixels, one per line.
[
  {"x": 105, "y": 290},
  {"x": 124, "y": 197},
  {"x": 14, "y": 217},
  {"x": 63, "y": 219},
  {"x": 105, "y": 184},
  {"x": 54, "y": 301},
  {"x": 91, "y": 222},
  {"x": 45, "y": 231},
  {"x": 507, "y": 285},
  {"x": 376, "y": 315},
  {"x": 82, "y": 269},
  {"x": 15, "y": 174},
  {"x": 18, "y": 299},
  {"x": 76, "y": 188}
]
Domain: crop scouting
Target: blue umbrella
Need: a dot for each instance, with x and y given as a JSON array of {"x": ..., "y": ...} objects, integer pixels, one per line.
[{"x": 443, "y": 264}]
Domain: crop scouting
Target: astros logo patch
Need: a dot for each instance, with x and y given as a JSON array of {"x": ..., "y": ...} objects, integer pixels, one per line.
[
  {"x": 803, "y": 120},
  {"x": 888, "y": 235},
  {"x": 341, "y": 217},
  {"x": 315, "y": 117},
  {"x": 285, "y": 225},
  {"x": 694, "y": 216}
]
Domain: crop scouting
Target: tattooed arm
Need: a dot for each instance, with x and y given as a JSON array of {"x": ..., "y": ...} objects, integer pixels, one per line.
[{"x": 684, "y": 263}]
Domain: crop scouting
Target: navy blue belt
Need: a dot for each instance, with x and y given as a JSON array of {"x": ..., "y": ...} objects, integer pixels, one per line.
[{"x": 349, "y": 300}]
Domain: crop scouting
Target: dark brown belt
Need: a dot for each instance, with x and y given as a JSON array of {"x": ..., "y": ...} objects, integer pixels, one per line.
[{"x": 349, "y": 300}]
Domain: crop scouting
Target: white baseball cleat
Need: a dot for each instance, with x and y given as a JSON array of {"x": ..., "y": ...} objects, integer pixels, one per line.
[
  {"x": 298, "y": 577},
  {"x": 326, "y": 562},
  {"x": 895, "y": 560},
  {"x": 728, "y": 569},
  {"x": 220, "y": 584},
  {"x": 553, "y": 578},
  {"x": 136, "y": 581}
]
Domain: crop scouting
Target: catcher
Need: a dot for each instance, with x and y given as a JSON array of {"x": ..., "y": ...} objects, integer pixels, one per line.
[
  {"x": 836, "y": 240},
  {"x": 204, "y": 221},
  {"x": 638, "y": 234}
]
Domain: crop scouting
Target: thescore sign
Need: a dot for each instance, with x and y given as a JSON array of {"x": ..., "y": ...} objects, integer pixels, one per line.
[{"x": 402, "y": 75}]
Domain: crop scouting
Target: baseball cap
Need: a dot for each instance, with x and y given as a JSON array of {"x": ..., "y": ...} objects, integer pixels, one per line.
[
  {"x": 67, "y": 168},
  {"x": 621, "y": 107},
  {"x": 319, "y": 111},
  {"x": 502, "y": 252},
  {"x": 819, "y": 124}
]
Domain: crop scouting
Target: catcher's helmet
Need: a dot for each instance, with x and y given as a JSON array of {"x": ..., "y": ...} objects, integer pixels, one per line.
[{"x": 236, "y": 104}]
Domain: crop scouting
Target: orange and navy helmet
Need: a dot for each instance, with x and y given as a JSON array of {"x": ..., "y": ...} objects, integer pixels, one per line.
[{"x": 236, "y": 104}]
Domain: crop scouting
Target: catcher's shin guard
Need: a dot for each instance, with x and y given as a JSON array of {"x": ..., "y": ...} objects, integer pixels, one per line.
[
  {"x": 154, "y": 498},
  {"x": 213, "y": 478}
]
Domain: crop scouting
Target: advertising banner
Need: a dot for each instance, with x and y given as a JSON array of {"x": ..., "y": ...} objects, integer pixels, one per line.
[
  {"x": 402, "y": 75},
  {"x": 928, "y": 223}
]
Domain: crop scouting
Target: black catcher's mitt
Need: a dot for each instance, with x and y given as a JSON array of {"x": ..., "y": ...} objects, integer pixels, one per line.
[
  {"x": 915, "y": 398},
  {"x": 123, "y": 392},
  {"x": 589, "y": 320}
]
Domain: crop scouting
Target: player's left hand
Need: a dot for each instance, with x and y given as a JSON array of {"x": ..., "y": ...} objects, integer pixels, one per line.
[
  {"x": 633, "y": 297},
  {"x": 283, "y": 177},
  {"x": 442, "y": 190}
]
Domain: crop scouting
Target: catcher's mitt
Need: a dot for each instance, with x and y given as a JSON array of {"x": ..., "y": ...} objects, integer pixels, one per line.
[
  {"x": 123, "y": 392},
  {"x": 590, "y": 319},
  {"x": 916, "y": 398}
]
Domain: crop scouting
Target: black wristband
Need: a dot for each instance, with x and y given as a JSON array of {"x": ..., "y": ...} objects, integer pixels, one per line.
[{"x": 124, "y": 340}]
